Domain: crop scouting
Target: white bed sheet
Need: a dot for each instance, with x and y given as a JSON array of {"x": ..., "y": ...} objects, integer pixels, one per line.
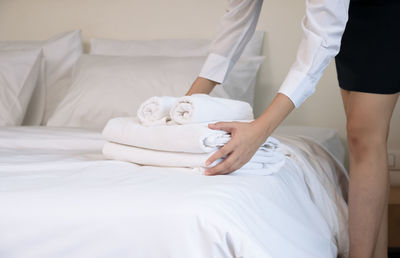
[
  {"x": 326, "y": 137},
  {"x": 60, "y": 198}
]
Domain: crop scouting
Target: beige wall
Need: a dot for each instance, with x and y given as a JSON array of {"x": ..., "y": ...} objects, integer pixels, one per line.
[{"x": 149, "y": 19}]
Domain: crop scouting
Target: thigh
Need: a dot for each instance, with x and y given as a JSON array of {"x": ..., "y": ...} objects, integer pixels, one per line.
[{"x": 367, "y": 113}]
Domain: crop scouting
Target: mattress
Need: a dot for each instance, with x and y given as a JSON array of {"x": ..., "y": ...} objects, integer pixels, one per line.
[{"x": 59, "y": 197}]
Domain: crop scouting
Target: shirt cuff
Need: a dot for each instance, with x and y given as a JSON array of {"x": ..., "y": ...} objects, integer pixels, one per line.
[
  {"x": 298, "y": 87},
  {"x": 215, "y": 68}
]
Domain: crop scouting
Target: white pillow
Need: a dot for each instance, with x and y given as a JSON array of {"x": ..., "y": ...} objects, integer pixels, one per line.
[
  {"x": 166, "y": 47},
  {"x": 176, "y": 48},
  {"x": 60, "y": 54},
  {"x": 109, "y": 86},
  {"x": 19, "y": 73}
]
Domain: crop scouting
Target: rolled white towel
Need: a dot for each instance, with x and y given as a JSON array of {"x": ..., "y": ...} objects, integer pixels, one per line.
[
  {"x": 191, "y": 138},
  {"x": 200, "y": 108},
  {"x": 155, "y": 110}
]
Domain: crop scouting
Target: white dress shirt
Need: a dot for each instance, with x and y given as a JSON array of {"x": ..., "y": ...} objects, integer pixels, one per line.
[{"x": 323, "y": 26}]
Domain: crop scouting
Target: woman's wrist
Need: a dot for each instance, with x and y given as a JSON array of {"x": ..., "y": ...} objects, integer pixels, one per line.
[
  {"x": 201, "y": 85},
  {"x": 274, "y": 114}
]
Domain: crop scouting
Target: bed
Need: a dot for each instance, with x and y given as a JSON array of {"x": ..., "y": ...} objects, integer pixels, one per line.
[{"x": 60, "y": 197}]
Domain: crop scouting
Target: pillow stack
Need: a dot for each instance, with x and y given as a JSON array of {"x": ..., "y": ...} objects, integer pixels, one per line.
[
  {"x": 53, "y": 83},
  {"x": 173, "y": 132}
]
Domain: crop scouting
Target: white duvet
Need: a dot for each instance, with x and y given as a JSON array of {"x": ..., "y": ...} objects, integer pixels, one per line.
[{"x": 59, "y": 198}]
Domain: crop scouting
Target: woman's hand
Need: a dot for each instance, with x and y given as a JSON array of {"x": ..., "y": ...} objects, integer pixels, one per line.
[{"x": 246, "y": 138}]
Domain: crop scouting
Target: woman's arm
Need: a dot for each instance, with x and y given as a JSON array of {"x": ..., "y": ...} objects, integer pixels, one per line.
[
  {"x": 201, "y": 85},
  {"x": 323, "y": 26},
  {"x": 235, "y": 30}
]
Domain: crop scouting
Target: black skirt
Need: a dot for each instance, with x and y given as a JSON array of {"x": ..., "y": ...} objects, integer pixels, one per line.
[{"x": 369, "y": 57}]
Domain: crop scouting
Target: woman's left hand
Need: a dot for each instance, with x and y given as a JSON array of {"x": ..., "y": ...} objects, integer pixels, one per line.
[{"x": 246, "y": 138}]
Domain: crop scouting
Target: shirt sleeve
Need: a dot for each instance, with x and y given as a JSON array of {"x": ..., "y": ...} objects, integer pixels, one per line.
[
  {"x": 233, "y": 33},
  {"x": 323, "y": 27}
]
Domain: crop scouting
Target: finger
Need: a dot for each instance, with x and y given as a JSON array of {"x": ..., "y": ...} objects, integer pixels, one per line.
[
  {"x": 225, "y": 167},
  {"x": 238, "y": 165},
  {"x": 224, "y": 126},
  {"x": 224, "y": 151}
]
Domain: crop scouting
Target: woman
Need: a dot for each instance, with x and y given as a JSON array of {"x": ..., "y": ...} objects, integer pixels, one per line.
[{"x": 369, "y": 84}]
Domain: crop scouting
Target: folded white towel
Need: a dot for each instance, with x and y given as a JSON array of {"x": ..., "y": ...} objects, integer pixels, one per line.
[
  {"x": 263, "y": 162},
  {"x": 155, "y": 110},
  {"x": 191, "y": 138},
  {"x": 200, "y": 108},
  {"x": 149, "y": 157}
]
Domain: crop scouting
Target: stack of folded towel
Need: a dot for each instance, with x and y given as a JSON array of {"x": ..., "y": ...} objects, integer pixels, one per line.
[{"x": 173, "y": 132}]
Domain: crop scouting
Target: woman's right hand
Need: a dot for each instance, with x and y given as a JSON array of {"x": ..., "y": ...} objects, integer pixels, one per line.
[{"x": 246, "y": 138}]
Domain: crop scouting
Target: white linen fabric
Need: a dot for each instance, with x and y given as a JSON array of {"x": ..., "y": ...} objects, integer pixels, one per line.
[
  {"x": 243, "y": 90},
  {"x": 123, "y": 83},
  {"x": 295, "y": 146},
  {"x": 200, "y": 108},
  {"x": 323, "y": 27},
  {"x": 155, "y": 110},
  {"x": 59, "y": 197},
  {"x": 190, "y": 138},
  {"x": 59, "y": 56},
  {"x": 265, "y": 162},
  {"x": 328, "y": 138},
  {"x": 19, "y": 72}
]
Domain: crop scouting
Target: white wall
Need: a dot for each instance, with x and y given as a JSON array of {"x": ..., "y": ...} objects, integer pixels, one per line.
[{"x": 149, "y": 19}]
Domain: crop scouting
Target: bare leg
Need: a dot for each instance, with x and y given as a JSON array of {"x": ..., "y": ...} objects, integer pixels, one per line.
[
  {"x": 368, "y": 119},
  {"x": 381, "y": 249}
]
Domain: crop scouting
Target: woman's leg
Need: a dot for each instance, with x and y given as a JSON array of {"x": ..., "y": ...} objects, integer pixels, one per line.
[
  {"x": 381, "y": 248},
  {"x": 368, "y": 119}
]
